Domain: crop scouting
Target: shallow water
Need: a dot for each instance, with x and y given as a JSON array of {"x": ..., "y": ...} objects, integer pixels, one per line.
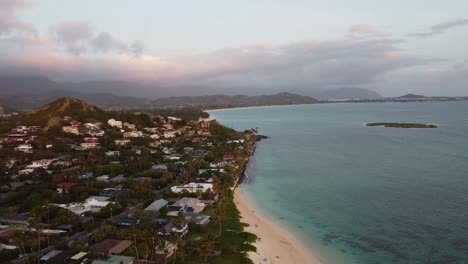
[{"x": 361, "y": 194}]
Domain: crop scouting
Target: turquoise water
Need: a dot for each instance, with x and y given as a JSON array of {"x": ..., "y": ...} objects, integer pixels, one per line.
[{"x": 360, "y": 194}]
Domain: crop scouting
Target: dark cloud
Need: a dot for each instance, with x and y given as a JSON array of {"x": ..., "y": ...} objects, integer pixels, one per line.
[
  {"x": 438, "y": 29},
  {"x": 104, "y": 42}
]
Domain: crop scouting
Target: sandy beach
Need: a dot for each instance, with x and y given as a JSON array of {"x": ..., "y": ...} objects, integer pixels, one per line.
[{"x": 275, "y": 244}]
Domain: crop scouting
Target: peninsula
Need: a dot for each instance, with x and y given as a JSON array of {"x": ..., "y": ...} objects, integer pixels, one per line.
[{"x": 402, "y": 125}]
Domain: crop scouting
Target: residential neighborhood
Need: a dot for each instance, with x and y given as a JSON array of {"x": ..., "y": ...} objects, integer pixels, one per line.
[{"x": 139, "y": 189}]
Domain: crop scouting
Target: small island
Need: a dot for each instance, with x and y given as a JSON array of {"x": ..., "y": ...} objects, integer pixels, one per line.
[{"x": 403, "y": 125}]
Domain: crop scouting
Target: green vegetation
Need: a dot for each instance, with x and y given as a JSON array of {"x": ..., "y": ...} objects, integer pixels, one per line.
[{"x": 402, "y": 125}]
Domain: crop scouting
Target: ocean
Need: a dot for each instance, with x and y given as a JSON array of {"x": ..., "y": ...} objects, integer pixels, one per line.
[{"x": 358, "y": 194}]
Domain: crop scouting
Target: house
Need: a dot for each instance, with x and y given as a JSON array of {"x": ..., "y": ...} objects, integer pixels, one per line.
[
  {"x": 113, "y": 153},
  {"x": 118, "y": 179},
  {"x": 198, "y": 219},
  {"x": 44, "y": 163},
  {"x": 154, "y": 136},
  {"x": 113, "y": 192},
  {"x": 161, "y": 167},
  {"x": 78, "y": 257},
  {"x": 110, "y": 247},
  {"x": 151, "y": 129},
  {"x": 155, "y": 206},
  {"x": 92, "y": 204},
  {"x": 90, "y": 143},
  {"x": 174, "y": 119},
  {"x": 228, "y": 157},
  {"x": 50, "y": 255},
  {"x": 189, "y": 150},
  {"x": 15, "y": 220},
  {"x": 26, "y": 171},
  {"x": 127, "y": 221},
  {"x": 173, "y": 226},
  {"x": 186, "y": 205},
  {"x": 26, "y": 148},
  {"x": 208, "y": 198},
  {"x": 115, "y": 259},
  {"x": 103, "y": 178},
  {"x": 114, "y": 123},
  {"x": 71, "y": 129},
  {"x": 17, "y": 137},
  {"x": 122, "y": 142},
  {"x": 192, "y": 187},
  {"x": 133, "y": 134}
]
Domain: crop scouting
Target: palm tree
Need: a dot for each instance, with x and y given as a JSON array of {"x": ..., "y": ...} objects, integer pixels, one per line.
[
  {"x": 208, "y": 248},
  {"x": 176, "y": 240},
  {"x": 220, "y": 216}
]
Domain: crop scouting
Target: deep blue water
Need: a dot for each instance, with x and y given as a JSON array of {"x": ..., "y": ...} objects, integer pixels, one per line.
[{"x": 360, "y": 194}]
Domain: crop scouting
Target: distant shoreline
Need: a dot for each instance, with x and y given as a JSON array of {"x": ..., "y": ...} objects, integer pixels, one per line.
[
  {"x": 247, "y": 107},
  {"x": 337, "y": 102}
]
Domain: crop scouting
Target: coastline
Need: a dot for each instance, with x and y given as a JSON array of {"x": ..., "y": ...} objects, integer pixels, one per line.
[
  {"x": 275, "y": 244},
  {"x": 247, "y": 107}
]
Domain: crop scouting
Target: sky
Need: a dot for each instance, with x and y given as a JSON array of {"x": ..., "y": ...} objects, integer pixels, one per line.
[{"x": 392, "y": 47}]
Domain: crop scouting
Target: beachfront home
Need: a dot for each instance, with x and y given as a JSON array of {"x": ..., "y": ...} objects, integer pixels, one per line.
[
  {"x": 186, "y": 205},
  {"x": 198, "y": 219},
  {"x": 192, "y": 187}
]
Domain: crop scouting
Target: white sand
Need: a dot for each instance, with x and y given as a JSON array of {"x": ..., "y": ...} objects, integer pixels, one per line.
[{"x": 275, "y": 244}]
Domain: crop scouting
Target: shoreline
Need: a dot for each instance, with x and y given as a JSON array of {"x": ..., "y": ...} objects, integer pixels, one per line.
[
  {"x": 275, "y": 244},
  {"x": 247, "y": 107}
]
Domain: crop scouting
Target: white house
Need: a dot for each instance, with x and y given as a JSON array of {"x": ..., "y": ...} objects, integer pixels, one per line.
[
  {"x": 92, "y": 204},
  {"x": 133, "y": 134},
  {"x": 114, "y": 123},
  {"x": 26, "y": 171},
  {"x": 192, "y": 187},
  {"x": 122, "y": 142},
  {"x": 26, "y": 148}
]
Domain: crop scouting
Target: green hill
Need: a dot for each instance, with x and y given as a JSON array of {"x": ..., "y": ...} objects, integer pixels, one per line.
[{"x": 51, "y": 114}]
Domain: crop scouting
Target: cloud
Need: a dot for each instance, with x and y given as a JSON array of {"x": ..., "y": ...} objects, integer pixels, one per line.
[
  {"x": 438, "y": 29},
  {"x": 10, "y": 25},
  {"x": 80, "y": 38},
  {"x": 104, "y": 42},
  {"x": 353, "y": 60},
  {"x": 74, "y": 35}
]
